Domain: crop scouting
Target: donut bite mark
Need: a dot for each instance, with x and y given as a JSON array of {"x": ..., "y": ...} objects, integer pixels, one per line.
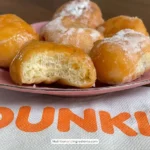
[
  {"x": 84, "y": 11},
  {"x": 114, "y": 25},
  {"x": 121, "y": 58},
  {"x": 14, "y": 33},
  {"x": 44, "y": 62}
]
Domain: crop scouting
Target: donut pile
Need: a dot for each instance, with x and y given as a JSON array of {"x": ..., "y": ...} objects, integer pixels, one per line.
[
  {"x": 75, "y": 48},
  {"x": 75, "y": 24},
  {"x": 120, "y": 51}
]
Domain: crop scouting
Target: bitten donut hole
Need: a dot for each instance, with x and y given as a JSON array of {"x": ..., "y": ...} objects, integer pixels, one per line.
[{"x": 42, "y": 67}]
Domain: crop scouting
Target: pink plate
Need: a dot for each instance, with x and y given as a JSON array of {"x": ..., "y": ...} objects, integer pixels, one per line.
[{"x": 6, "y": 83}]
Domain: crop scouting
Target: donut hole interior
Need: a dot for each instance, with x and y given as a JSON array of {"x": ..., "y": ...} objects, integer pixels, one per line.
[
  {"x": 143, "y": 64},
  {"x": 45, "y": 68}
]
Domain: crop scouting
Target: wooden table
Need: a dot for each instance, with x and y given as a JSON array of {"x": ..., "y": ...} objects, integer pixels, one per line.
[{"x": 41, "y": 10}]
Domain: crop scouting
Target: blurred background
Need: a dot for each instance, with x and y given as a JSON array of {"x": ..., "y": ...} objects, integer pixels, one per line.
[{"x": 41, "y": 10}]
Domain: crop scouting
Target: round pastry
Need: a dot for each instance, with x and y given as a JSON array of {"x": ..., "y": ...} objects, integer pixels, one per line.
[
  {"x": 122, "y": 58},
  {"x": 14, "y": 32},
  {"x": 45, "y": 62},
  {"x": 63, "y": 30},
  {"x": 84, "y": 11},
  {"x": 114, "y": 25}
]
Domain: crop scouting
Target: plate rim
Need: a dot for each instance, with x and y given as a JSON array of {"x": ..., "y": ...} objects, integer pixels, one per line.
[{"x": 75, "y": 89}]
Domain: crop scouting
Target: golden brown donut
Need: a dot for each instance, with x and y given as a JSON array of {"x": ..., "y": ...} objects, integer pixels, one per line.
[
  {"x": 14, "y": 32},
  {"x": 114, "y": 25},
  {"x": 44, "y": 62},
  {"x": 63, "y": 30},
  {"x": 122, "y": 58},
  {"x": 84, "y": 11}
]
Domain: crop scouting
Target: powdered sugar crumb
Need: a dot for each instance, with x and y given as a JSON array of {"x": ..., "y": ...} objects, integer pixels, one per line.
[{"x": 130, "y": 40}]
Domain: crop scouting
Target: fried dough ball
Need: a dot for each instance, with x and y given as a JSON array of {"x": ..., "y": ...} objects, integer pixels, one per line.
[
  {"x": 65, "y": 31},
  {"x": 14, "y": 33},
  {"x": 114, "y": 25},
  {"x": 84, "y": 11},
  {"x": 122, "y": 58},
  {"x": 45, "y": 62}
]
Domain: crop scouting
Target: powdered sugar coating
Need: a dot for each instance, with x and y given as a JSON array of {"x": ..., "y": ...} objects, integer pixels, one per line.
[
  {"x": 129, "y": 40},
  {"x": 56, "y": 26},
  {"x": 56, "y": 31},
  {"x": 80, "y": 30},
  {"x": 95, "y": 34},
  {"x": 130, "y": 18},
  {"x": 75, "y": 8}
]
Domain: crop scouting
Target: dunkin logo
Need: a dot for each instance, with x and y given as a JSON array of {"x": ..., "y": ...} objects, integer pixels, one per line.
[{"x": 66, "y": 116}]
